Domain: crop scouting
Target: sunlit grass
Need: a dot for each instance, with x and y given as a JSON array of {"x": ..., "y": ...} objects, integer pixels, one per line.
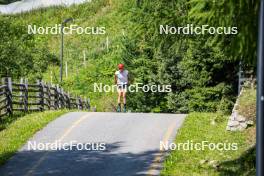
[
  {"x": 198, "y": 127},
  {"x": 18, "y": 132}
]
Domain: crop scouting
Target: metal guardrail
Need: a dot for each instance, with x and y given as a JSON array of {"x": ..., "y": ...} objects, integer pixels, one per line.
[{"x": 26, "y": 97}]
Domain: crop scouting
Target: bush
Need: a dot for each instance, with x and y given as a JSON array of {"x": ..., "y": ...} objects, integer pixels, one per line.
[
  {"x": 20, "y": 55},
  {"x": 201, "y": 99},
  {"x": 225, "y": 106}
]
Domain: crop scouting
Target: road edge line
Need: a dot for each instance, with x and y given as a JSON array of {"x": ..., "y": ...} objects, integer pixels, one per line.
[{"x": 156, "y": 161}]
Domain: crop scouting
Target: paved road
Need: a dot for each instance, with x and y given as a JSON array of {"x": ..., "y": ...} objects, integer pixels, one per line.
[
  {"x": 131, "y": 141},
  {"x": 27, "y": 5}
]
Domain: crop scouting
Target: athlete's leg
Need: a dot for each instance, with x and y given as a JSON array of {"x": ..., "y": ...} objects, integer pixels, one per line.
[
  {"x": 119, "y": 100},
  {"x": 124, "y": 97},
  {"x": 119, "y": 96},
  {"x": 124, "y": 100}
]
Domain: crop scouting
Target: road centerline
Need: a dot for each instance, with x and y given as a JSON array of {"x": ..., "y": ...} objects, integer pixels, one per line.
[{"x": 65, "y": 134}]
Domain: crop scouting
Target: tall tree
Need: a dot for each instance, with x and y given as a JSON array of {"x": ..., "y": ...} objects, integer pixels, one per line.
[{"x": 238, "y": 13}]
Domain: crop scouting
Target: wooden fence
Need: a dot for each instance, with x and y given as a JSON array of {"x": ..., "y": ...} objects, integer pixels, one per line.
[{"x": 26, "y": 97}]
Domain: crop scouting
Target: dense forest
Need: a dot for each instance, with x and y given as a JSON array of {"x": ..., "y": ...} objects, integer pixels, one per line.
[{"x": 202, "y": 69}]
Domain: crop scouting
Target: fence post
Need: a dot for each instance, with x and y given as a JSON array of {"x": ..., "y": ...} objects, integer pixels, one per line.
[
  {"x": 26, "y": 96},
  {"x": 58, "y": 97},
  {"x": 8, "y": 82},
  {"x": 68, "y": 100},
  {"x": 10, "y": 99},
  {"x": 21, "y": 94},
  {"x": 45, "y": 97},
  {"x": 77, "y": 102},
  {"x": 81, "y": 103},
  {"x": 88, "y": 104},
  {"x": 94, "y": 109},
  {"x": 54, "y": 96},
  {"x": 62, "y": 98},
  {"x": 41, "y": 95},
  {"x": 49, "y": 96},
  {"x": 84, "y": 103}
]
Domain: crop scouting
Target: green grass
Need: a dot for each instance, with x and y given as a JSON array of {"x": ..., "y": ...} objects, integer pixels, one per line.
[
  {"x": 7, "y": 120},
  {"x": 198, "y": 127},
  {"x": 18, "y": 132}
]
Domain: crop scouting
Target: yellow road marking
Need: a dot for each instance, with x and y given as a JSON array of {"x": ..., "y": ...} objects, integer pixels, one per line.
[
  {"x": 69, "y": 130},
  {"x": 158, "y": 158},
  {"x": 65, "y": 134}
]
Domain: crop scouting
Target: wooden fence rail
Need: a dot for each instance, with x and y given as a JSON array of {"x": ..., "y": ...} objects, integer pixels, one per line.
[{"x": 36, "y": 97}]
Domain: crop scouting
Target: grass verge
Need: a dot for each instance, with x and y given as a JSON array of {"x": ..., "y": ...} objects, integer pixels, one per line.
[
  {"x": 18, "y": 132},
  {"x": 198, "y": 127},
  {"x": 247, "y": 104}
]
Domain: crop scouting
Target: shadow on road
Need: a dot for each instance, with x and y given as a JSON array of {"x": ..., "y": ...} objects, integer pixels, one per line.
[{"x": 110, "y": 162}]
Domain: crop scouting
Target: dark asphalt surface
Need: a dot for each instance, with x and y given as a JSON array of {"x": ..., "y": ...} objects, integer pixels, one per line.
[{"x": 132, "y": 145}]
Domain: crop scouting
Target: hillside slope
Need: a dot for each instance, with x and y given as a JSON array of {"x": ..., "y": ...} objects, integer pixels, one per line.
[
  {"x": 191, "y": 64},
  {"x": 100, "y": 60}
]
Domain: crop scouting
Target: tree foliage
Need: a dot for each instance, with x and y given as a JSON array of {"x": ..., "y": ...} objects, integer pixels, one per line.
[
  {"x": 238, "y": 13},
  {"x": 20, "y": 55},
  {"x": 201, "y": 69}
]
